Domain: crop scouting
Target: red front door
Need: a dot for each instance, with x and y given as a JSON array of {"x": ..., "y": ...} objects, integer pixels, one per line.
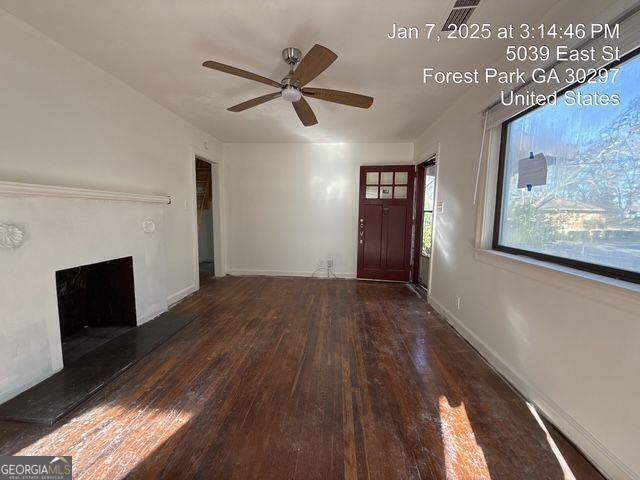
[{"x": 384, "y": 222}]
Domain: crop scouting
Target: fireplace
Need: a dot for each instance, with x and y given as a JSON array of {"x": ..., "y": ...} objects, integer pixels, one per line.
[{"x": 95, "y": 304}]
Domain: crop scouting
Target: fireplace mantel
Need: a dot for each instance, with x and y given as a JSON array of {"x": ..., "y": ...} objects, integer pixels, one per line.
[
  {"x": 45, "y": 229},
  {"x": 13, "y": 189}
]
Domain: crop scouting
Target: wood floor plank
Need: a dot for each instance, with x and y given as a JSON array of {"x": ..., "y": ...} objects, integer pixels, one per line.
[{"x": 306, "y": 379}]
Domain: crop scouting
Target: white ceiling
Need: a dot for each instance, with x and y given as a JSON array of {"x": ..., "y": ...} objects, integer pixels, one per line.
[{"x": 158, "y": 46}]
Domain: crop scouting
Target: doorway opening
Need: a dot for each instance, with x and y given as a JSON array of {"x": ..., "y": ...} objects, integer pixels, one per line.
[
  {"x": 425, "y": 207},
  {"x": 204, "y": 203}
]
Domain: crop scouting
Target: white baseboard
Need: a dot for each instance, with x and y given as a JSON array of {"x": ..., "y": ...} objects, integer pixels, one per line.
[
  {"x": 605, "y": 460},
  {"x": 180, "y": 294},
  {"x": 286, "y": 273}
]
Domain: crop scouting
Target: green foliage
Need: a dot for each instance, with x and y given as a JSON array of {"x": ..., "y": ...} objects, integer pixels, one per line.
[
  {"x": 527, "y": 225},
  {"x": 427, "y": 230}
]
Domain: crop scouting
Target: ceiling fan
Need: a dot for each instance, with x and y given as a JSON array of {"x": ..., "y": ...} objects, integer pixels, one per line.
[{"x": 292, "y": 88}]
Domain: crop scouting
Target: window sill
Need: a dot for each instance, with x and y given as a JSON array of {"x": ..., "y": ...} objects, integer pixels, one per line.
[{"x": 618, "y": 293}]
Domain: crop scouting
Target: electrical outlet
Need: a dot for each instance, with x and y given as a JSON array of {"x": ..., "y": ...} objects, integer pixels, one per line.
[
  {"x": 458, "y": 302},
  {"x": 440, "y": 207}
]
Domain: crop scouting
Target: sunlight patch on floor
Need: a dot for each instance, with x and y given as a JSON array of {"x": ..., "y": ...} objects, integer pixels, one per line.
[
  {"x": 102, "y": 431},
  {"x": 568, "y": 474},
  {"x": 462, "y": 454}
]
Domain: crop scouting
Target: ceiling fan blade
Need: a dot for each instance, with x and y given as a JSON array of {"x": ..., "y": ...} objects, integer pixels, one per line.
[
  {"x": 254, "y": 102},
  {"x": 306, "y": 115},
  {"x": 221, "y": 67},
  {"x": 316, "y": 61},
  {"x": 337, "y": 96}
]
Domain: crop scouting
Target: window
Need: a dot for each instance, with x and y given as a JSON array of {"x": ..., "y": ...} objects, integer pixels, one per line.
[
  {"x": 427, "y": 214},
  {"x": 569, "y": 181},
  {"x": 386, "y": 185}
]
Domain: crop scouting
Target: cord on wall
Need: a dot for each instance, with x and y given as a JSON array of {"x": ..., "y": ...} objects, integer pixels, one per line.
[
  {"x": 484, "y": 134},
  {"x": 328, "y": 269}
]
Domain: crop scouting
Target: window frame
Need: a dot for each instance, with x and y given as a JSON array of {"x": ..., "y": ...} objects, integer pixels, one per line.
[
  {"x": 625, "y": 275},
  {"x": 418, "y": 219}
]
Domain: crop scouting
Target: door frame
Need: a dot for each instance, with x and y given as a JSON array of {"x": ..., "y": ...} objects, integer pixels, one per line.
[
  {"x": 216, "y": 211},
  {"x": 419, "y": 206},
  {"x": 364, "y": 169}
]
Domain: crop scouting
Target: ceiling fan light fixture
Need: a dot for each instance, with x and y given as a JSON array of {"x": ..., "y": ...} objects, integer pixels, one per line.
[{"x": 291, "y": 94}]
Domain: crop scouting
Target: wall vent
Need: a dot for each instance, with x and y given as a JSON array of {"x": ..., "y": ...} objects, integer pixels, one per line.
[
  {"x": 460, "y": 13},
  {"x": 466, "y": 3}
]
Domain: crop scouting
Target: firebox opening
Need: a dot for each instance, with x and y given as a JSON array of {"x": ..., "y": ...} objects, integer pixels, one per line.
[{"x": 95, "y": 304}]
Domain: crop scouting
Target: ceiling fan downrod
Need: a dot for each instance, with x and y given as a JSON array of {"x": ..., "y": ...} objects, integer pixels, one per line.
[{"x": 291, "y": 56}]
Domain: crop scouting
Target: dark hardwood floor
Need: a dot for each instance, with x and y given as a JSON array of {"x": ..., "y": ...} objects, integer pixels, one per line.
[{"x": 310, "y": 379}]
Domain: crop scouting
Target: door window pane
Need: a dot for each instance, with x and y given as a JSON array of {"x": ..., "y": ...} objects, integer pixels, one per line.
[
  {"x": 429, "y": 188},
  {"x": 400, "y": 192},
  {"x": 372, "y": 178},
  {"x": 401, "y": 178},
  {"x": 386, "y": 178},
  {"x": 371, "y": 192},
  {"x": 427, "y": 229},
  {"x": 584, "y": 203},
  {"x": 385, "y": 192}
]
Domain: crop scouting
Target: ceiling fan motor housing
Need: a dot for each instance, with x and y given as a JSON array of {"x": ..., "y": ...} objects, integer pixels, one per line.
[{"x": 291, "y": 55}]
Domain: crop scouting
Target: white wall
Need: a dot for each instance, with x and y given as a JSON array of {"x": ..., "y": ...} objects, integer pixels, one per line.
[
  {"x": 569, "y": 344},
  {"x": 290, "y": 205},
  {"x": 65, "y": 122},
  {"x": 570, "y": 350}
]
